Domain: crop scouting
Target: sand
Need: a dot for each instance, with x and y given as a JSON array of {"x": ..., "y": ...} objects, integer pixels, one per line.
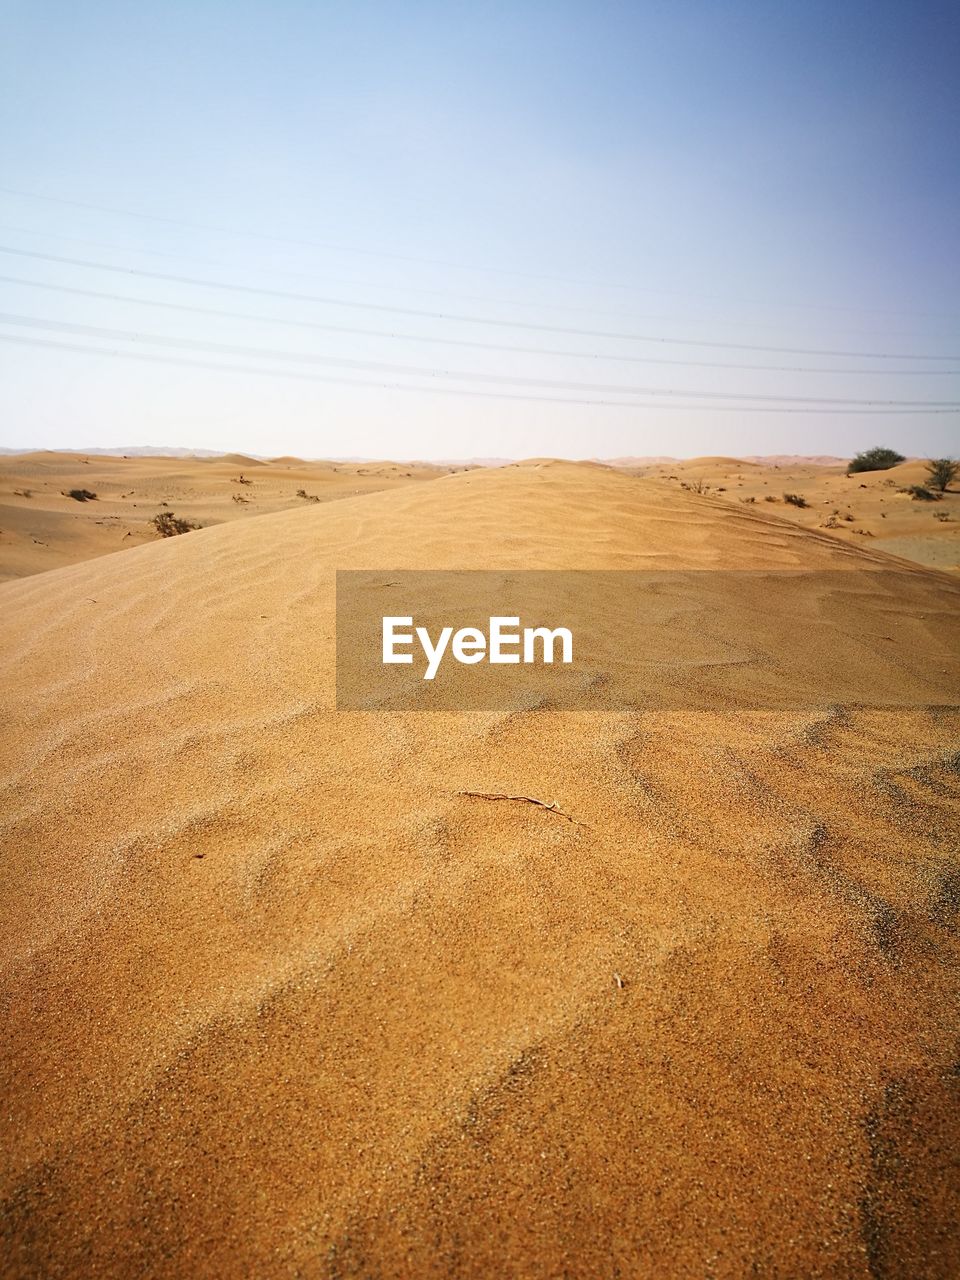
[
  {"x": 42, "y": 528},
  {"x": 277, "y": 1000},
  {"x": 871, "y": 505}
]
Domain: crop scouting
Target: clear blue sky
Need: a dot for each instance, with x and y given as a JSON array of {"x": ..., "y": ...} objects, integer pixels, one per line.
[{"x": 765, "y": 174}]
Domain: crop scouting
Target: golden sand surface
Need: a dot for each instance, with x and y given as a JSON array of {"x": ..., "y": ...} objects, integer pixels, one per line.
[
  {"x": 278, "y": 1000},
  {"x": 874, "y": 506},
  {"x": 42, "y": 527}
]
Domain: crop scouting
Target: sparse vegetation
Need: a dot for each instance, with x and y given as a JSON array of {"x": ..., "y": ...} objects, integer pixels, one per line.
[
  {"x": 768, "y": 497},
  {"x": 168, "y": 525},
  {"x": 941, "y": 472},
  {"x": 308, "y": 497},
  {"x": 920, "y": 493},
  {"x": 81, "y": 495},
  {"x": 238, "y": 497},
  {"x": 242, "y": 479},
  {"x": 796, "y": 499},
  {"x": 879, "y": 458},
  {"x": 23, "y": 493}
]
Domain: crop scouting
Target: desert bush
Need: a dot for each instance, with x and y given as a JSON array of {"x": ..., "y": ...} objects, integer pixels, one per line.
[
  {"x": 920, "y": 493},
  {"x": 23, "y": 493},
  {"x": 796, "y": 499},
  {"x": 81, "y": 495},
  {"x": 878, "y": 458},
  {"x": 168, "y": 525},
  {"x": 941, "y": 472}
]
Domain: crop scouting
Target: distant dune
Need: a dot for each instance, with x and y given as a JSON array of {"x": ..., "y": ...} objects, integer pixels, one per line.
[
  {"x": 871, "y": 505},
  {"x": 241, "y": 460},
  {"x": 135, "y": 451},
  {"x": 42, "y": 527},
  {"x": 769, "y": 460},
  {"x": 48, "y": 529},
  {"x": 279, "y": 999},
  {"x": 797, "y": 460}
]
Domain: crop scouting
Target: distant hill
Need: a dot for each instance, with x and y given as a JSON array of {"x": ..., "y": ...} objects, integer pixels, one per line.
[
  {"x": 131, "y": 451},
  {"x": 766, "y": 460}
]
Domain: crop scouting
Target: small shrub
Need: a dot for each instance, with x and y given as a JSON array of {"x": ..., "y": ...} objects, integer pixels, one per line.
[
  {"x": 942, "y": 472},
  {"x": 168, "y": 525},
  {"x": 878, "y": 458},
  {"x": 920, "y": 493},
  {"x": 242, "y": 479},
  {"x": 81, "y": 495},
  {"x": 769, "y": 498},
  {"x": 308, "y": 497},
  {"x": 23, "y": 493},
  {"x": 941, "y": 515},
  {"x": 796, "y": 499}
]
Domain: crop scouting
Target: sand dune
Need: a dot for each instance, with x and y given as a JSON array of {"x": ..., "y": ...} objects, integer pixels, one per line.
[
  {"x": 277, "y": 1000},
  {"x": 872, "y": 505},
  {"x": 42, "y": 527}
]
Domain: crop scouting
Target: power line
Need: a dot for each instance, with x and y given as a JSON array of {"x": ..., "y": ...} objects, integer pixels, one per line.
[
  {"x": 306, "y": 244},
  {"x": 454, "y": 342},
  {"x": 460, "y": 318},
  {"x": 301, "y": 275},
  {"x": 359, "y": 284},
  {"x": 262, "y": 353},
  {"x": 435, "y": 262},
  {"x": 247, "y": 370}
]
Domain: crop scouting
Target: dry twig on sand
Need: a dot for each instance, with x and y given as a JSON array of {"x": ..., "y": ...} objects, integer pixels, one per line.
[{"x": 550, "y": 806}]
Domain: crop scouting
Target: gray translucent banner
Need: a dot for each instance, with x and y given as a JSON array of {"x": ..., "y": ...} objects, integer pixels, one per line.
[{"x": 648, "y": 640}]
